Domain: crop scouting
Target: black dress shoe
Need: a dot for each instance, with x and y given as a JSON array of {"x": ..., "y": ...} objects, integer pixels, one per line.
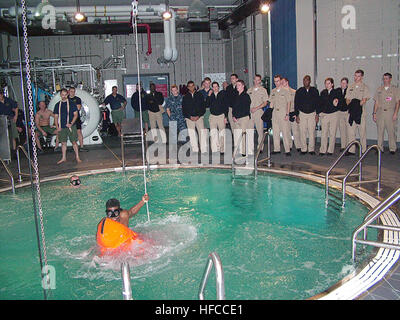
[
  {"x": 299, "y": 150},
  {"x": 349, "y": 154},
  {"x": 392, "y": 152},
  {"x": 321, "y": 154},
  {"x": 330, "y": 154},
  {"x": 288, "y": 154},
  {"x": 312, "y": 153},
  {"x": 303, "y": 153},
  {"x": 275, "y": 152}
]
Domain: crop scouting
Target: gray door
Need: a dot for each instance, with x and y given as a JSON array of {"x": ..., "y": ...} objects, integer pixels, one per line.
[{"x": 161, "y": 80}]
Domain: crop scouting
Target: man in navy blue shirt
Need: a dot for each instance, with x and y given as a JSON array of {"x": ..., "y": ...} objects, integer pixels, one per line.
[
  {"x": 117, "y": 104},
  {"x": 9, "y": 108},
  {"x": 205, "y": 91},
  {"x": 78, "y": 102},
  {"x": 65, "y": 116}
]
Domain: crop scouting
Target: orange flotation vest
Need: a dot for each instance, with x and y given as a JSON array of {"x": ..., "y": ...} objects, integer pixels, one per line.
[{"x": 113, "y": 236}]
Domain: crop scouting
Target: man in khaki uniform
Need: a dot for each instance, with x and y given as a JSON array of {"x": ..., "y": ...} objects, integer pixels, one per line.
[
  {"x": 294, "y": 126},
  {"x": 358, "y": 90},
  {"x": 280, "y": 102},
  {"x": 385, "y": 113},
  {"x": 259, "y": 99}
]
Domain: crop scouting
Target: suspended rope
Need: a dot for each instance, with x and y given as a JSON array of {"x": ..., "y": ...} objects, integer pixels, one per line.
[
  {"x": 134, "y": 26},
  {"x": 36, "y": 196}
]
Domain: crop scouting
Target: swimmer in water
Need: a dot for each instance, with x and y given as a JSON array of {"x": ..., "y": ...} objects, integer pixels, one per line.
[
  {"x": 75, "y": 182},
  {"x": 114, "y": 211}
]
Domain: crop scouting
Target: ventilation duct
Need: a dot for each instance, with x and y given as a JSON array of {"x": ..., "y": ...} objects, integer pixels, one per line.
[
  {"x": 170, "y": 51},
  {"x": 197, "y": 11},
  {"x": 182, "y": 25},
  {"x": 63, "y": 27}
]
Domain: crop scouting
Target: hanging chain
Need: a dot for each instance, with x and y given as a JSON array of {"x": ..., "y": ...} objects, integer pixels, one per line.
[{"x": 32, "y": 124}]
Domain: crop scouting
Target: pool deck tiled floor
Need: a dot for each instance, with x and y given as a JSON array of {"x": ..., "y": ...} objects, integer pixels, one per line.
[{"x": 108, "y": 155}]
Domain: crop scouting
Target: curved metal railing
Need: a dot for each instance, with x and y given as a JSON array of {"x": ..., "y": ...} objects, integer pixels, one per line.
[
  {"x": 336, "y": 163},
  {"x": 126, "y": 281},
  {"x": 9, "y": 174},
  {"x": 20, "y": 173},
  {"x": 260, "y": 146},
  {"x": 372, "y": 216},
  {"x": 378, "y": 179},
  {"x": 213, "y": 259}
]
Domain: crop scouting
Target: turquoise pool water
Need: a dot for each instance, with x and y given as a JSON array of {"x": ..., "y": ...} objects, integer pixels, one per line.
[{"x": 274, "y": 235}]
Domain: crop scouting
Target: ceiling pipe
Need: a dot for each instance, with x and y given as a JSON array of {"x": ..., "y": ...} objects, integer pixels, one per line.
[
  {"x": 173, "y": 37},
  {"x": 240, "y": 13},
  {"x": 147, "y": 26},
  {"x": 99, "y": 10},
  {"x": 167, "y": 40}
]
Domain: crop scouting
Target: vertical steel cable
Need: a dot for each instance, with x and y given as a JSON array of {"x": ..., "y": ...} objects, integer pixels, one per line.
[
  {"x": 33, "y": 133},
  {"x": 134, "y": 26}
]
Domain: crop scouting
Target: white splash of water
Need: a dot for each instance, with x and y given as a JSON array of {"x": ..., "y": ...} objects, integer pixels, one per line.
[{"x": 163, "y": 238}]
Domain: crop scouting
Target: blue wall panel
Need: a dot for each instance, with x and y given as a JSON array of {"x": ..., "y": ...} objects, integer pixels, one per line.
[{"x": 283, "y": 38}]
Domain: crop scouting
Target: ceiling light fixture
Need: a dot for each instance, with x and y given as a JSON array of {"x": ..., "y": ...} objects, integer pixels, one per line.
[
  {"x": 166, "y": 15},
  {"x": 264, "y": 7},
  {"x": 80, "y": 17}
]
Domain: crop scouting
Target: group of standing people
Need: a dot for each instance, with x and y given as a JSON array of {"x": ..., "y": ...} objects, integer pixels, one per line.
[
  {"x": 343, "y": 109},
  {"x": 67, "y": 123},
  {"x": 207, "y": 108},
  {"x": 293, "y": 114}
]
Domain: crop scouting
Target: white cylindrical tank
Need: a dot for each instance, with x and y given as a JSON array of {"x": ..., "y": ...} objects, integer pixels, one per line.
[{"x": 90, "y": 111}]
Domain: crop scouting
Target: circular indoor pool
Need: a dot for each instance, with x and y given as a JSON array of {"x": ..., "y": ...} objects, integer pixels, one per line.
[{"x": 274, "y": 235}]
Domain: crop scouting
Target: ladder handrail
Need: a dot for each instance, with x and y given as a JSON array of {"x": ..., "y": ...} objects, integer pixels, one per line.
[
  {"x": 123, "y": 152},
  {"x": 19, "y": 163},
  {"x": 378, "y": 179},
  {"x": 235, "y": 149},
  {"x": 266, "y": 133},
  {"x": 9, "y": 174},
  {"x": 213, "y": 259},
  {"x": 126, "y": 281},
  {"x": 338, "y": 160},
  {"x": 374, "y": 214}
]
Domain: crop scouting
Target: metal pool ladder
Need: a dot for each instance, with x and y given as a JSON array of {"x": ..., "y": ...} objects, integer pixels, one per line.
[
  {"x": 9, "y": 175},
  {"x": 259, "y": 148},
  {"x": 372, "y": 216},
  {"x": 130, "y": 133},
  {"x": 268, "y": 158},
  {"x": 126, "y": 281},
  {"x": 235, "y": 151},
  {"x": 350, "y": 172},
  {"x": 378, "y": 178},
  {"x": 20, "y": 174},
  {"x": 213, "y": 259}
]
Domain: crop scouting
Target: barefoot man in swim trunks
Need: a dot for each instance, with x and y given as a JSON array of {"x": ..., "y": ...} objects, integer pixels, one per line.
[
  {"x": 42, "y": 121},
  {"x": 65, "y": 116}
]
